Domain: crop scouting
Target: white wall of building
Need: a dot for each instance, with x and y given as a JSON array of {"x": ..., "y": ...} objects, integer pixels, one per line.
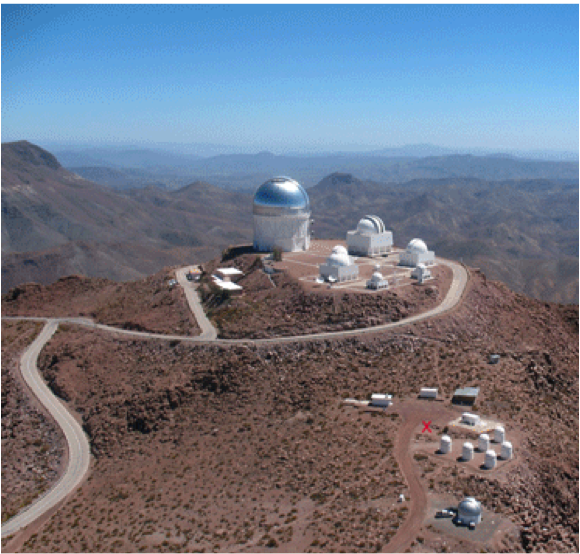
[
  {"x": 290, "y": 233},
  {"x": 338, "y": 272},
  {"x": 369, "y": 245},
  {"x": 412, "y": 259}
]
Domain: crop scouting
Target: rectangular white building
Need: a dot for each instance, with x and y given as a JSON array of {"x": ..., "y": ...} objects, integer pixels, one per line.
[
  {"x": 339, "y": 273},
  {"x": 381, "y": 400}
]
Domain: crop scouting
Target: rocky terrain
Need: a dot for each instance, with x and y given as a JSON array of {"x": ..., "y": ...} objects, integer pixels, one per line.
[
  {"x": 33, "y": 448},
  {"x": 207, "y": 447},
  {"x": 144, "y": 305},
  {"x": 266, "y": 311},
  {"x": 55, "y": 223}
]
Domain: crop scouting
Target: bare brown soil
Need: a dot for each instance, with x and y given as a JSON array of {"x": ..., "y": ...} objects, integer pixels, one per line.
[
  {"x": 293, "y": 307},
  {"x": 144, "y": 305},
  {"x": 204, "y": 446},
  {"x": 32, "y": 446},
  {"x": 236, "y": 448}
]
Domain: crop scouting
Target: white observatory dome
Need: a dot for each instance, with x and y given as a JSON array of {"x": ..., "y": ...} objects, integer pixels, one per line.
[
  {"x": 467, "y": 451},
  {"x": 370, "y": 225},
  {"x": 445, "y": 445},
  {"x": 469, "y": 508},
  {"x": 490, "y": 459},
  {"x": 281, "y": 196},
  {"x": 377, "y": 277},
  {"x": 506, "y": 450},
  {"x": 417, "y": 246},
  {"x": 339, "y": 257},
  {"x": 281, "y": 216}
]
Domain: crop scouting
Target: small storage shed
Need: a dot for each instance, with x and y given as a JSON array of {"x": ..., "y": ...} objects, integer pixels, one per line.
[
  {"x": 381, "y": 400},
  {"x": 468, "y": 418},
  {"x": 229, "y": 273},
  {"x": 494, "y": 358},
  {"x": 233, "y": 288},
  {"x": 465, "y": 396},
  {"x": 428, "y": 393}
]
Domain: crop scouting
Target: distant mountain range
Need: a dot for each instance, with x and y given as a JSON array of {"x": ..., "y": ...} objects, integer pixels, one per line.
[
  {"x": 207, "y": 150},
  {"x": 136, "y": 168},
  {"x": 55, "y": 223},
  {"x": 522, "y": 230}
]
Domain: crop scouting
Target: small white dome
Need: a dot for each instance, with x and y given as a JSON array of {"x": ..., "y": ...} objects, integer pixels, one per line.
[
  {"x": 370, "y": 225},
  {"x": 506, "y": 450},
  {"x": 417, "y": 246},
  {"x": 377, "y": 277},
  {"x": 469, "y": 507},
  {"x": 339, "y": 259},
  {"x": 339, "y": 249}
]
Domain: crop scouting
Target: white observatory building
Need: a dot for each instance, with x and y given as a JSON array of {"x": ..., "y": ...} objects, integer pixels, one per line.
[
  {"x": 281, "y": 216},
  {"x": 469, "y": 511},
  {"x": 339, "y": 266},
  {"x": 370, "y": 238},
  {"x": 377, "y": 281},
  {"x": 417, "y": 253}
]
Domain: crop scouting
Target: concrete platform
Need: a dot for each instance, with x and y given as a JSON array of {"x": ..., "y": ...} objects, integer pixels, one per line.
[
  {"x": 483, "y": 532},
  {"x": 485, "y": 425}
]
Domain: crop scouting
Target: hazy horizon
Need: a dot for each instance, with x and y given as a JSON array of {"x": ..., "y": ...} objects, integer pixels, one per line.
[
  {"x": 292, "y": 79},
  {"x": 208, "y": 150}
]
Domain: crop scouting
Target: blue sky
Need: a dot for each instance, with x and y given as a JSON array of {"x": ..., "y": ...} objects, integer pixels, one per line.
[{"x": 296, "y": 77}]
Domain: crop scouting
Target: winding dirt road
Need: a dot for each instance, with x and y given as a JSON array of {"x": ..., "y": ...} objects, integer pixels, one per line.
[
  {"x": 78, "y": 446},
  {"x": 79, "y": 453}
]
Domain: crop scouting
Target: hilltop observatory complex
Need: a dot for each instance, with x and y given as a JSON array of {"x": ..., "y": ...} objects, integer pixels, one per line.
[{"x": 281, "y": 216}]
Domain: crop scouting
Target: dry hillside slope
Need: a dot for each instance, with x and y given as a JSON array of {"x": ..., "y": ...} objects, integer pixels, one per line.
[{"x": 248, "y": 448}]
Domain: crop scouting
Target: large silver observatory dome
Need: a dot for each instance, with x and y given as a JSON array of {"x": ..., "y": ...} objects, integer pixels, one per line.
[{"x": 281, "y": 196}]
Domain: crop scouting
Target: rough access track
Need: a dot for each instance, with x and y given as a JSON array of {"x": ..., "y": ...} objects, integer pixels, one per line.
[
  {"x": 418, "y": 497},
  {"x": 79, "y": 449}
]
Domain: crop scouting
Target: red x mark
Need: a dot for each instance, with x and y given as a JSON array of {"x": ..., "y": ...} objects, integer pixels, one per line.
[{"x": 426, "y": 428}]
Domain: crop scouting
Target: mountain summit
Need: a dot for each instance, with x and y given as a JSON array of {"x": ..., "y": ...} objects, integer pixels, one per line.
[{"x": 24, "y": 152}]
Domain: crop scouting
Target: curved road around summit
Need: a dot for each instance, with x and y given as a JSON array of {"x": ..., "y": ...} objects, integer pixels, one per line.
[
  {"x": 79, "y": 453},
  {"x": 78, "y": 446}
]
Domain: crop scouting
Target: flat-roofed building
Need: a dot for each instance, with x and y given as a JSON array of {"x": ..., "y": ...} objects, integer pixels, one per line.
[{"x": 465, "y": 396}]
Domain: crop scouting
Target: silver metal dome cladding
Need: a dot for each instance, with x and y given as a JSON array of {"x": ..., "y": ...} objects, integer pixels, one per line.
[
  {"x": 469, "y": 507},
  {"x": 281, "y": 196}
]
